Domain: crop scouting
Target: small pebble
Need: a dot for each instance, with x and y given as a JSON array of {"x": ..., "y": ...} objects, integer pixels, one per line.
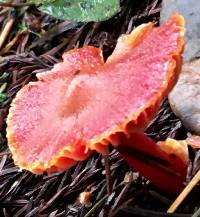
[{"x": 185, "y": 97}]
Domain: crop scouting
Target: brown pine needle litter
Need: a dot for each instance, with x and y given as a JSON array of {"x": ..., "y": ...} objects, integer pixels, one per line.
[
  {"x": 6, "y": 30},
  {"x": 24, "y": 194},
  {"x": 184, "y": 193}
]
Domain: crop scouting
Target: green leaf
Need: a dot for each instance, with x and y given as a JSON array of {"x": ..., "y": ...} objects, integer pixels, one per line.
[
  {"x": 4, "y": 76},
  {"x": 82, "y": 10},
  {"x": 3, "y": 97}
]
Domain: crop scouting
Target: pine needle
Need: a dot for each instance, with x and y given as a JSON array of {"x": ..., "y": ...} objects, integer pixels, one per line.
[{"x": 184, "y": 193}]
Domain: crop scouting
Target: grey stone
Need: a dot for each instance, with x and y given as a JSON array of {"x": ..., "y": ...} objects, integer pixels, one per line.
[
  {"x": 185, "y": 97},
  {"x": 190, "y": 9}
]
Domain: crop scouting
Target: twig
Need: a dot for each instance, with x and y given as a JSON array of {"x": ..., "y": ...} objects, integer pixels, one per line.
[
  {"x": 122, "y": 195},
  {"x": 97, "y": 205},
  {"x": 54, "y": 31},
  {"x": 184, "y": 193},
  {"x": 139, "y": 212},
  {"x": 197, "y": 213},
  {"x": 160, "y": 197},
  {"x": 6, "y": 31},
  {"x": 10, "y": 44},
  {"x": 55, "y": 50},
  {"x": 5, "y": 153},
  {"x": 22, "y": 210},
  {"x": 15, "y": 5},
  {"x": 108, "y": 173},
  {"x": 3, "y": 11},
  {"x": 22, "y": 45}
]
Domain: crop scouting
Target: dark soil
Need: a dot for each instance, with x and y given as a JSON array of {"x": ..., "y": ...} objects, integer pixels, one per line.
[{"x": 25, "y": 194}]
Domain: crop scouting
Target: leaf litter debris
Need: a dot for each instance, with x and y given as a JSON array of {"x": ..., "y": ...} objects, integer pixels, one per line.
[{"x": 40, "y": 42}]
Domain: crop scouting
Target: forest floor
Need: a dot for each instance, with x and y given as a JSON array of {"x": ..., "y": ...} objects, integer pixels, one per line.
[{"x": 34, "y": 43}]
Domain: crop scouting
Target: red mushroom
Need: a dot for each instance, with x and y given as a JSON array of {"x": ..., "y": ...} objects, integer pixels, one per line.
[
  {"x": 36, "y": 120},
  {"x": 164, "y": 163},
  {"x": 83, "y": 104}
]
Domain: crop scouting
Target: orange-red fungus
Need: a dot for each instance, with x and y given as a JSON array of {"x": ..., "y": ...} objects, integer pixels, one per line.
[
  {"x": 164, "y": 163},
  {"x": 193, "y": 141},
  {"x": 83, "y": 104}
]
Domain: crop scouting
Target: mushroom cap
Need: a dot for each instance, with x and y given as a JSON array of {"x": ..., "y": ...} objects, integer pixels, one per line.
[
  {"x": 190, "y": 10},
  {"x": 83, "y": 104},
  {"x": 36, "y": 129}
]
